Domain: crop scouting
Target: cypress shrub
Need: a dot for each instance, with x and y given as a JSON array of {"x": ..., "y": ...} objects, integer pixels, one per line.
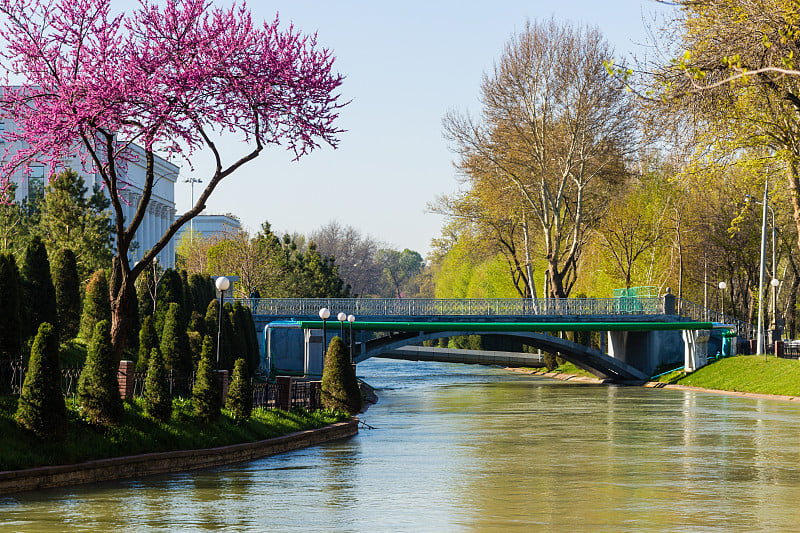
[
  {"x": 157, "y": 399},
  {"x": 254, "y": 355},
  {"x": 96, "y": 305},
  {"x": 10, "y": 308},
  {"x": 226, "y": 355},
  {"x": 41, "y": 407},
  {"x": 197, "y": 323},
  {"x": 37, "y": 288},
  {"x": 175, "y": 342},
  {"x": 202, "y": 291},
  {"x": 239, "y": 346},
  {"x": 206, "y": 394},
  {"x": 240, "y": 395},
  {"x": 170, "y": 290},
  {"x": 340, "y": 390},
  {"x": 211, "y": 318},
  {"x": 132, "y": 345},
  {"x": 67, "y": 284},
  {"x": 195, "y": 347},
  {"x": 98, "y": 389},
  {"x": 144, "y": 293},
  {"x": 148, "y": 340}
]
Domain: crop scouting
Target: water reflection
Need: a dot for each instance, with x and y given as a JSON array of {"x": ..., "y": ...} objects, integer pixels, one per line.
[{"x": 471, "y": 448}]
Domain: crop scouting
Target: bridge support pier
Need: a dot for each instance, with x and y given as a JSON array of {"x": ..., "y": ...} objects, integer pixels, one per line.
[
  {"x": 646, "y": 350},
  {"x": 696, "y": 349}
]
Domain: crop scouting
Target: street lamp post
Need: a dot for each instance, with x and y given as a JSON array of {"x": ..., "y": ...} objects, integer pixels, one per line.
[
  {"x": 351, "y": 319},
  {"x": 342, "y": 317},
  {"x": 324, "y": 313},
  {"x": 722, "y": 287},
  {"x": 192, "y": 181},
  {"x": 762, "y": 266},
  {"x": 222, "y": 284}
]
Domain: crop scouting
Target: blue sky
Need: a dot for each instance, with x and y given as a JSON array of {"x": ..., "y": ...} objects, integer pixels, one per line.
[{"x": 406, "y": 64}]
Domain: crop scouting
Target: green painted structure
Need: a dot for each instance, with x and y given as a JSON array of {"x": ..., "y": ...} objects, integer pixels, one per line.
[{"x": 431, "y": 327}]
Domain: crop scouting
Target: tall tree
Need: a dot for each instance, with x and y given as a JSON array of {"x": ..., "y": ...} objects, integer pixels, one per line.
[
  {"x": 399, "y": 267},
  {"x": 41, "y": 407},
  {"x": 37, "y": 288},
  {"x": 11, "y": 329},
  {"x": 555, "y": 130},
  {"x": 355, "y": 256},
  {"x": 64, "y": 270},
  {"x": 96, "y": 305},
  {"x": 71, "y": 219},
  {"x": 264, "y": 84}
]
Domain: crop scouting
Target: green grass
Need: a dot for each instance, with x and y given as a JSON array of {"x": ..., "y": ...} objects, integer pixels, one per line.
[
  {"x": 744, "y": 373},
  {"x": 141, "y": 434}
]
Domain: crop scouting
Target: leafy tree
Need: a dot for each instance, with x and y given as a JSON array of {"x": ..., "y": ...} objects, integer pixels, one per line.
[
  {"x": 148, "y": 341},
  {"x": 68, "y": 297},
  {"x": 96, "y": 305},
  {"x": 340, "y": 390},
  {"x": 157, "y": 399},
  {"x": 147, "y": 102},
  {"x": 14, "y": 222},
  {"x": 98, "y": 389},
  {"x": 10, "y": 308},
  {"x": 555, "y": 132},
  {"x": 399, "y": 267},
  {"x": 37, "y": 287},
  {"x": 205, "y": 393},
  {"x": 257, "y": 261},
  {"x": 254, "y": 355},
  {"x": 41, "y": 407},
  {"x": 239, "y": 332},
  {"x": 71, "y": 219},
  {"x": 175, "y": 342},
  {"x": 203, "y": 291},
  {"x": 356, "y": 256},
  {"x": 240, "y": 395}
]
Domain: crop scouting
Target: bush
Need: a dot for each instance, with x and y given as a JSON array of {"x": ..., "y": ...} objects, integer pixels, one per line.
[
  {"x": 175, "y": 342},
  {"x": 240, "y": 395},
  {"x": 340, "y": 390},
  {"x": 206, "y": 394},
  {"x": 157, "y": 399},
  {"x": 98, "y": 389},
  {"x": 37, "y": 288},
  {"x": 96, "y": 305},
  {"x": 41, "y": 407},
  {"x": 64, "y": 271},
  {"x": 170, "y": 290},
  {"x": 10, "y": 308},
  {"x": 148, "y": 340}
]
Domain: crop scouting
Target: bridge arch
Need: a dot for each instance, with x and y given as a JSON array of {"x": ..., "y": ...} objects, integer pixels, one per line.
[{"x": 591, "y": 360}]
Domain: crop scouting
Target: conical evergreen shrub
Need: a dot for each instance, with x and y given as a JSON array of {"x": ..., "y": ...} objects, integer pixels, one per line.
[
  {"x": 157, "y": 399},
  {"x": 148, "y": 340},
  {"x": 175, "y": 342},
  {"x": 169, "y": 291},
  {"x": 240, "y": 394},
  {"x": 238, "y": 332},
  {"x": 37, "y": 288},
  {"x": 340, "y": 390},
  {"x": 98, "y": 389},
  {"x": 67, "y": 284},
  {"x": 96, "y": 305},
  {"x": 41, "y": 407},
  {"x": 253, "y": 353},
  {"x": 205, "y": 393},
  {"x": 11, "y": 328}
]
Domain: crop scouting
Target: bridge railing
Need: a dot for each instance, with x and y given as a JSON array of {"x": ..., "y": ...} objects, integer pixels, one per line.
[
  {"x": 692, "y": 311},
  {"x": 407, "y": 307}
]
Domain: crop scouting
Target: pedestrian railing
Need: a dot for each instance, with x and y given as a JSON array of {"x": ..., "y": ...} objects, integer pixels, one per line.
[{"x": 691, "y": 311}]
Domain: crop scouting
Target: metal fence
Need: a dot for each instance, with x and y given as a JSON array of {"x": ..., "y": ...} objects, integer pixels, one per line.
[
  {"x": 406, "y": 307},
  {"x": 691, "y": 311}
]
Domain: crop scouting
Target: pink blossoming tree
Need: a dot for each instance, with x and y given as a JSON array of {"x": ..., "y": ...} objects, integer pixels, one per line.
[{"x": 170, "y": 77}]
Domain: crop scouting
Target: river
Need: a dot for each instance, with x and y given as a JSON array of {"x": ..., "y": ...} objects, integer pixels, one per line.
[{"x": 469, "y": 448}]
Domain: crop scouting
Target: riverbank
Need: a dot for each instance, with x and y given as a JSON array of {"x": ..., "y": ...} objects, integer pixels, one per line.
[
  {"x": 148, "y": 464},
  {"x": 746, "y": 376}
]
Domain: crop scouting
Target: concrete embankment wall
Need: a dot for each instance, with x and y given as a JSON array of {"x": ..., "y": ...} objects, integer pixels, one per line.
[{"x": 135, "y": 466}]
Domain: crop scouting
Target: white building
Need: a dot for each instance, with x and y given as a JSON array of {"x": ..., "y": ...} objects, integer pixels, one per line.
[
  {"x": 160, "y": 210},
  {"x": 209, "y": 225}
]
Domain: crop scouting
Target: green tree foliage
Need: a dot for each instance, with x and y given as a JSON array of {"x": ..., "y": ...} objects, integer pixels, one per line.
[
  {"x": 175, "y": 342},
  {"x": 340, "y": 389},
  {"x": 15, "y": 224},
  {"x": 98, "y": 389},
  {"x": 41, "y": 407},
  {"x": 254, "y": 355},
  {"x": 205, "y": 393},
  {"x": 96, "y": 304},
  {"x": 148, "y": 341},
  {"x": 202, "y": 290},
  {"x": 399, "y": 267},
  {"x": 10, "y": 308},
  {"x": 240, "y": 395},
  {"x": 228, "y": 342},
  {"x": 145, "y": 293},
  {"x": 239, "y": 333},
  {"x": 170, "y": 290},
  {"x": 64, "y": 270},
  {"x": 72, "y": 219},
  {"x": 37, "y": 287},
  {"x": 157, "y": 399}
]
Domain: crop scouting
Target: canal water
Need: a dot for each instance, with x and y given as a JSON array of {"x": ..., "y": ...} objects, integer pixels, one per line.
[{"x": 469, "y": 448}]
